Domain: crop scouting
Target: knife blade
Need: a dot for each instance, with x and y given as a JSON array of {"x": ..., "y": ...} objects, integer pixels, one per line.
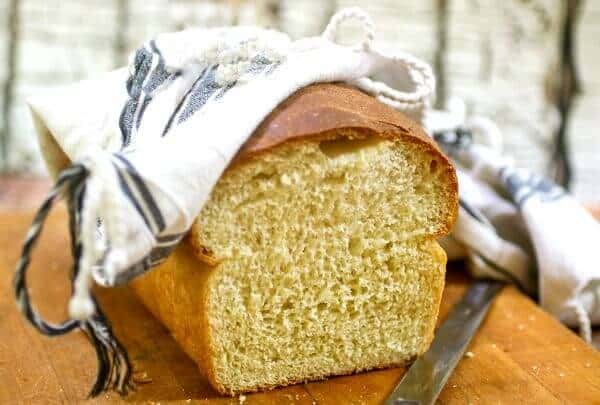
[{"x": 424, "y": 380}]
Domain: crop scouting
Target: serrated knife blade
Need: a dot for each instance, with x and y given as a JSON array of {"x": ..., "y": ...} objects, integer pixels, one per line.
[{"x": 424, "y": 380}]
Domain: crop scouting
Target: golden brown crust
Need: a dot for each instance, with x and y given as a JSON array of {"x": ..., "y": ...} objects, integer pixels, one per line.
[
  {"x": 181, "y": 310},
  {"x": 430, "y": 334},
  {"x": 320, "y": 108}
]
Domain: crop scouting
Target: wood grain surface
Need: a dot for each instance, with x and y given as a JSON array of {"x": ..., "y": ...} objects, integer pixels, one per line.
[{"x": 520, "y": 354}]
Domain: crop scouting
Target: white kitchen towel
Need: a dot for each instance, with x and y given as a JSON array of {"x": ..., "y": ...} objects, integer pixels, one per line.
[
  {"x": 148, "y": 144},
  {"x": 516, "y": 226}
]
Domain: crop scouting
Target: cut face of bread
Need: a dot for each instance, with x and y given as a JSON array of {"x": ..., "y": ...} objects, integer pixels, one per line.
[
  {"x": 315, "y": 257},
  {"x": 326, "y": 261},
  {"x": 350, "y": 195}
]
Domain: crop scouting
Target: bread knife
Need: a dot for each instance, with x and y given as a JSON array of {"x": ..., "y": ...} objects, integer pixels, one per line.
[{"x": 424, "y": 380}]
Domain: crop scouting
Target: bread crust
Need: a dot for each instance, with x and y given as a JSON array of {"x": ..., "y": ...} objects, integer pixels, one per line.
[
  {"x": 439, "y": 292},
  {"x": 321, "y": 108}
]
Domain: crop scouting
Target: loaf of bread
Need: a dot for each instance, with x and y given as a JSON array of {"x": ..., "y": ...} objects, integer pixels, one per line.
[{"x": 316, "y": 254}]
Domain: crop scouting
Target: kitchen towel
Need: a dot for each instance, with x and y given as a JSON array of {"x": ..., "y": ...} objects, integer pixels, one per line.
[{"x": 520, "y": 227}]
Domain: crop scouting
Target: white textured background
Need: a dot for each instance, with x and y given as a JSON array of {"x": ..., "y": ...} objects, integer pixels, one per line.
[{"x": 502, "y": 57}]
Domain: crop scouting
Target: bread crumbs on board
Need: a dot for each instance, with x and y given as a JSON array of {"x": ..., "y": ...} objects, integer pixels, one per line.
[
  {"x": 469, "y": 354},
  {"x": 141, "y": 378},
  {"x": 242, "y": 399}
]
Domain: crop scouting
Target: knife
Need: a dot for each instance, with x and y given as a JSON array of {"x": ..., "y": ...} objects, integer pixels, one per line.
[{"x": 424, "y": 380}]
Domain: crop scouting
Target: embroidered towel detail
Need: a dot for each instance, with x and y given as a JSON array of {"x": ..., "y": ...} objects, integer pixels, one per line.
[{"x": 143, "y": 170}]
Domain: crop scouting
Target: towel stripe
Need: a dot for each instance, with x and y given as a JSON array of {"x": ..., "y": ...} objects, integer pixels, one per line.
[
  {"x": 149, "y": 77},
  {"x": 147, "y": 199},
  {"x": 125, "y": 187},
  {"x": 181, "y": 103}
]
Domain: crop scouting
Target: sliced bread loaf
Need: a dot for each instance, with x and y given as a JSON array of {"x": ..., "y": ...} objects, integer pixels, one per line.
[{"x": 316, "y": 254}]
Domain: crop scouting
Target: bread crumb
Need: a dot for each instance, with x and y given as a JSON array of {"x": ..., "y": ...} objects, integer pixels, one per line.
[
  {"x": 588, "y": 364},
  {"x": 242, "y": 398},
  {"x": 494, "y": 345},
  {"x": 286, "y": 180},
  {"x": 561, "y": 375},
  {"x": 141, "y": 378},
  {"x": 520, "y": 327},
  {"x": 469, "y": 354},
  {"x": 453, "y": 385}
]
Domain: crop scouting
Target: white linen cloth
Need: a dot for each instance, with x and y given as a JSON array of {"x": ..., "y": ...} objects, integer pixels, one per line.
[
  {"x": 148, "y": 144},
  {"x": 516, "y": 226}
]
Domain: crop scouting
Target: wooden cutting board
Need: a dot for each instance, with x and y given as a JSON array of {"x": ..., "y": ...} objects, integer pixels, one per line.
[{"x": 520, "y": 354}]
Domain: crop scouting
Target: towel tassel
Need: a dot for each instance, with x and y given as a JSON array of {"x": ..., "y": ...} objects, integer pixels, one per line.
[{"x": 114, "y": 366}]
